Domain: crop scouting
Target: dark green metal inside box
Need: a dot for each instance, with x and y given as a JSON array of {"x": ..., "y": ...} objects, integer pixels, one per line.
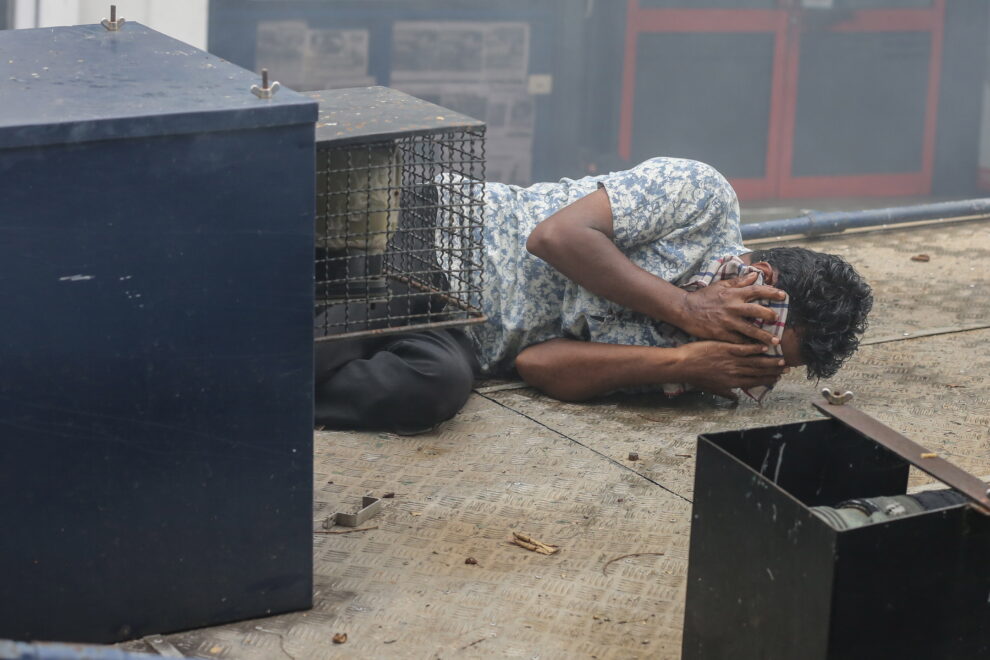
[{"x": 770, "y": 580}]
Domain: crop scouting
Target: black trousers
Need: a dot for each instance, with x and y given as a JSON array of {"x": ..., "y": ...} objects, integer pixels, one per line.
[{"x": 404, "y": 383}]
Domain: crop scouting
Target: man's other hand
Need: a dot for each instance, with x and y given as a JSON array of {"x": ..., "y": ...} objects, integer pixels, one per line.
[
  {"x": 725, "y": 311},
  {"x": 720, "y": 367}
]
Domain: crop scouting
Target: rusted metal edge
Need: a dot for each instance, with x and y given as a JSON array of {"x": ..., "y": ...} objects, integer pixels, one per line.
[
  {"x": 929, "y": 462},
  {"x": 436, "y": 325}
]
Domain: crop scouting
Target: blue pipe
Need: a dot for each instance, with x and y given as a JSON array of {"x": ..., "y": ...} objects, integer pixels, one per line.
[
  {"x": 21, "y": 651},
  {"x": 817, "y": 223}
]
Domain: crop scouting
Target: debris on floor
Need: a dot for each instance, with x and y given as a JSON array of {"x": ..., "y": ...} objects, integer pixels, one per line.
[
  {"x": 632, "y": 554},
  {"x": 474, "y": 643},
  {"x": 340, "y": 638},
  {"x": 921, "y": 257},
  {"x": 345, "y": 531},
  {"x": 528, "y": 542}
]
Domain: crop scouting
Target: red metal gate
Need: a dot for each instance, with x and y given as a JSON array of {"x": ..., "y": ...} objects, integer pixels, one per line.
[{"x": 851, "y": 93}]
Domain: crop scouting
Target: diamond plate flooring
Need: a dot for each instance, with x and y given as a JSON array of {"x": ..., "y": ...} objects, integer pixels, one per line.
[{"x": 515, "y": 460}]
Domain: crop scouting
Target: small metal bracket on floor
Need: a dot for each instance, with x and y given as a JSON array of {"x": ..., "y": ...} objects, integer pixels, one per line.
[{"x": 370, "y": 506}]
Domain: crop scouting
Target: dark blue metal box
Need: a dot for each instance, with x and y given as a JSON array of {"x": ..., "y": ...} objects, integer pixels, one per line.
[{"x": 156, "y": 320}]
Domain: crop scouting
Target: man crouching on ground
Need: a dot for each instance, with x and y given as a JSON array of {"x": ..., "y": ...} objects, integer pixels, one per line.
[
  {"x": 628, "y": 281},
  {"x": 626, "y": 247}
]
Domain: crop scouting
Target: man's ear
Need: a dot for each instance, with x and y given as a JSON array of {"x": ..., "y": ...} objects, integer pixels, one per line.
[{"x": 769, "y": 276}]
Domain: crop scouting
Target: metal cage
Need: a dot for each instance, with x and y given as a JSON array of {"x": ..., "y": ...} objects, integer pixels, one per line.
[{"x": 399, "y": 214}]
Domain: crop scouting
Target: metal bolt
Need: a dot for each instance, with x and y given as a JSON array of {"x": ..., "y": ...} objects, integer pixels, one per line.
[
  {"x": 266, "y": 90},
  {"x": 113, "y": 24},
  {"x": 836, "y": 399}
]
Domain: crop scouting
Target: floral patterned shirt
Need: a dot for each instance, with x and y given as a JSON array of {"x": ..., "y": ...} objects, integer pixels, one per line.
[{"x": 670, "y": 217}]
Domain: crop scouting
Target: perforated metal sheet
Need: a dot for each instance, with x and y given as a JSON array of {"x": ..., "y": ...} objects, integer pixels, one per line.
[{"x": 515, "y": 460}]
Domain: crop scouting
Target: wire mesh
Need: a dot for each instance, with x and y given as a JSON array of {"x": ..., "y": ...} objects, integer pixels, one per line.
[{"x": 398, "y": 234}]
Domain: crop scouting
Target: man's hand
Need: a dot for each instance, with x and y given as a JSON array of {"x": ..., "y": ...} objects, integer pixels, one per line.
[
  {"x": 719, "y": 367},
  {"x": 724, "y": 311}
]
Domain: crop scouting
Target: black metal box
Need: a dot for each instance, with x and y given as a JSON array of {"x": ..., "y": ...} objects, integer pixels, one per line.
[
  {"x": 769, "y": 578},
  {"x": 157, "y": 301}
]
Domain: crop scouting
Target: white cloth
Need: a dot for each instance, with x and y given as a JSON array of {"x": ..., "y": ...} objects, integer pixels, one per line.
[{"x": 728, "y": 268}]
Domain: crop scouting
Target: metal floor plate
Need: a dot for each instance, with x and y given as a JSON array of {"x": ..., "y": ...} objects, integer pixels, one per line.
[
  {"x": 404, "y": 590},
  {"x": 932, "y": 389},
  {"x": 515, "y": 460}
]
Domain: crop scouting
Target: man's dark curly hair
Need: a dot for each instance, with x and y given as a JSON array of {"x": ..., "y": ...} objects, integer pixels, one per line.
[{"x": 829, "y": 303}]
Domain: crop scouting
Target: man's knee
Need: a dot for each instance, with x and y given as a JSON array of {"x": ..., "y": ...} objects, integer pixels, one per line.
[
  {"x": 409, "y": 384},
  {"x": 440, "y": 382},
  {"x": 439, "y": 398}
]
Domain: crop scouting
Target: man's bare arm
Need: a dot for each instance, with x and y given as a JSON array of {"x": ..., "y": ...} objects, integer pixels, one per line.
[
  {"x": 572, "y": 370},
  {"x": 577, "y": 242}
]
